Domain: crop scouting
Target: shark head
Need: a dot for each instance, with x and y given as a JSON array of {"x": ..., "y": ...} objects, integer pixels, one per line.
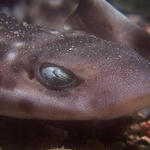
[{"x": 47, "y": 74}]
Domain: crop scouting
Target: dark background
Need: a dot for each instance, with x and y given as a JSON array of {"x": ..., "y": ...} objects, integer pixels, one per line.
[{"x": 141, "y": 7}]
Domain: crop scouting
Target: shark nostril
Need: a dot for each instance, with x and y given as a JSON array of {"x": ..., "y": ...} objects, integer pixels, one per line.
[{"x": 30, "y": 74}]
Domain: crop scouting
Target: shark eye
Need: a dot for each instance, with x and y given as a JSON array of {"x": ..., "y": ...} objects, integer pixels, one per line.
[{"x": 57, "y": 77}]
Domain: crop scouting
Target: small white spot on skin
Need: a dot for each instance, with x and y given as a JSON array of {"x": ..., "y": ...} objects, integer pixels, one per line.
[
  {"x": 55, "y": 3},
  {"x": 16, "y": 33},
  {"x": 17, "y": 44},
  {"x": 53, "y": 31},
  {"x": 11, "y": 55},
  {"x": 13, "y": 52},
  {"x": 67, "y": 27},
  {"x": 70, "y": 49},
  {"x": 25, "y": 24}
]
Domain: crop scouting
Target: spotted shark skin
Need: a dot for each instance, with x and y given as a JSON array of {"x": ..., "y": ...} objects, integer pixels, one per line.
[
  {"x": 100, "y": 18},
  {"x": 115, "y": 80}
]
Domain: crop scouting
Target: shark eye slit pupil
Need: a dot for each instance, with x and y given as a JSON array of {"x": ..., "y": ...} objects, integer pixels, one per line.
[{"x": 57, "y": 77}]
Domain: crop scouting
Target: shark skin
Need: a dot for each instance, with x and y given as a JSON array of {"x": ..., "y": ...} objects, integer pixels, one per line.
[
  {"x": 91, "y": 79},
  {"x": 96, "y": 17},
  {"x": 100, "y": 18}
]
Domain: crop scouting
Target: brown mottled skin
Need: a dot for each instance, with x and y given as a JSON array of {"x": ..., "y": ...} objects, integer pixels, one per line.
[{"x": 114, "y": 80}]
